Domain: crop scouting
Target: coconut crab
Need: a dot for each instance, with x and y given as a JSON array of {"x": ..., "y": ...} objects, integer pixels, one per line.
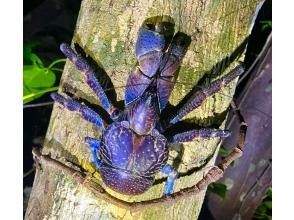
[{"x": 133, "y": 147}]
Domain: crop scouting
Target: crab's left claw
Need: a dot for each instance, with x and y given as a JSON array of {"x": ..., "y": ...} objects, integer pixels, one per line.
[{"x": 148, "y": 41}]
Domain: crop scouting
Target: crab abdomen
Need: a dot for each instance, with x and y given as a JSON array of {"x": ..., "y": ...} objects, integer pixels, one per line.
[
  {"x": 141, "y": 155},
  {"x": 125, "y": 183},
  {"x": 129, "y": 161}
]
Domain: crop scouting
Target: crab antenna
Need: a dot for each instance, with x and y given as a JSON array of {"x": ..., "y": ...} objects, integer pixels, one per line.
[
  {"x": 198, "y": 97},
  {"x": 82, "y": 65}
]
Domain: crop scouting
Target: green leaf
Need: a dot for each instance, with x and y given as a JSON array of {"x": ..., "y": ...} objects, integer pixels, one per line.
[
  {"x": 36, "y": 82},
  {"x": 26, "y": 90},
  {"x": 268, "y": 204},
  {"x": 36, "y": 60},
  {"x": 223, "y": 151},
  {"x": 264, "y": 210},
  {"x": 34, "y": 95},
  {"x": 29, "y": 57},
  {"x": 266, "y": 25},
  {"x": 269, "y": 192},
  {"x": 261, "y": 210},
  {"x": 27, "y": 51},
  {"x": 218, "y": 188},
  {"x": 38, "y": 78}
]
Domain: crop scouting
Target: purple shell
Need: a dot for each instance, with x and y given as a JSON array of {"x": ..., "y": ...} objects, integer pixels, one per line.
[
  {"x": 133, "y": 160},
  {"x": 149, "y": 41},
  {"x": 136, "y": 85},
  {"x": 144, "y": 114},
  {"x": 164, "y": 88},
  {"x": 124, "y": 182},
  {"x": 149, "y": 63}
]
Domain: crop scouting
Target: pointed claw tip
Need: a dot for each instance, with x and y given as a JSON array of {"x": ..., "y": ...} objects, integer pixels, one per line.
[
  {"x": 53, "y": 95},
  {"x": 88, "y": 140},
  {"x": 63, "y": 47},
  {"x": 92, "y": 143},
  {"x": 240, "y": 68},
  {"x": 227, "y": 133},
  {"x": 174, "y": 120}
]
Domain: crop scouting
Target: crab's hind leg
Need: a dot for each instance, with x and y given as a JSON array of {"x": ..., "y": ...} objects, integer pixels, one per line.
[
  {"x": 198, "y": 97},
  {"x": 82, "y": 65},
  {"x": 94, "y": 145},
  {"x": 171, "y": 178},
  {"x": 85, "y": 111},
  {"x": 204, "y": 133}
]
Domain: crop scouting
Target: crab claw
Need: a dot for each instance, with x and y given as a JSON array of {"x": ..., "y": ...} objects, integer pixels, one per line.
[{"x": 148, "y": 41}]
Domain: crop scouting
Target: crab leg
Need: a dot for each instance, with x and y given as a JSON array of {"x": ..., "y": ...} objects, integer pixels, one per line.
[
  {"x": 204, "y": 133},
  {"x": 171, "y": 177},
  {"x": 198, "y": 97},
  {"x": 82, "y": 65},
  {"x": 85, "y": 111},
  {"x": 94, "y": 145}
]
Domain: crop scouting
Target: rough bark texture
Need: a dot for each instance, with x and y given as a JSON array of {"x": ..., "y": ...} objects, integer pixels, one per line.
[
  {"x": 107, "y": 31},
  {"x": 251, "y": 177}
]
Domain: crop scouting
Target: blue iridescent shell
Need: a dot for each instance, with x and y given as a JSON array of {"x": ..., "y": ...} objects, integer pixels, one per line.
[{"x": 128, "y": 158}]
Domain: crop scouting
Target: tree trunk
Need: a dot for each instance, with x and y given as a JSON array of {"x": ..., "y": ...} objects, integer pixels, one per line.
[{"x": 107, "y": 31}]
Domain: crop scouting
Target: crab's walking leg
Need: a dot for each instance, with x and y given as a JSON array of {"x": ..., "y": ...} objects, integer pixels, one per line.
[
  {"x": 88, "y": 73},
  {"x": 171, "y": 178},
  {"x": 197, "y": 99},
  {"x": 94, "y": 145},
  {"x": 204, "y": 133},
  {"x": 85, "y": 111}
]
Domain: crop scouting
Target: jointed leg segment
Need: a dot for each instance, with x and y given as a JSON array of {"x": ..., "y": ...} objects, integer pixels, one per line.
[
  {"x": 90, "y": 78},
  {"x": 204, "y": 133},
  {"x": 85, "y": 112},
  {"x": 197, "y": 99},
  {"x": 94, "y": 145},
  {"x": 171, "y": 178}
]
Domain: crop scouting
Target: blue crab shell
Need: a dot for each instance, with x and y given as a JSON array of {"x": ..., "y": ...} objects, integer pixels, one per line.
[{"x": 130, "y": 161}]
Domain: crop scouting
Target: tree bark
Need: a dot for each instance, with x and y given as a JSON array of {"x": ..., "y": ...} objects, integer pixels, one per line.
[{"x": 107, "y": 31}]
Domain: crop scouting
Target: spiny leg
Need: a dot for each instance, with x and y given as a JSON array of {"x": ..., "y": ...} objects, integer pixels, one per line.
[
  {"x": 94, "y": 145},
  {"x": 82, "y": 65},
  {"x": 197, "y": 99},
  {"x": 171, "y": 178},
  {"x": 204, "y": 133},
  {"x": 85, "y": 111}
]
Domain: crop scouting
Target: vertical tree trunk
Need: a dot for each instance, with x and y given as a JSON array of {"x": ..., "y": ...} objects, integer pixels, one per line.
[{"x": 107, "y": 31}]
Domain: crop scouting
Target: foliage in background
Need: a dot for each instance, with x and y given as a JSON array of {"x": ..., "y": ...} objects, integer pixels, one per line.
[
  {"x": 266, "y": 25},
  {"x": 37, "y": 79},
  {"x": 264, "y": 211},
  {"x": 219, "y": 189}
]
